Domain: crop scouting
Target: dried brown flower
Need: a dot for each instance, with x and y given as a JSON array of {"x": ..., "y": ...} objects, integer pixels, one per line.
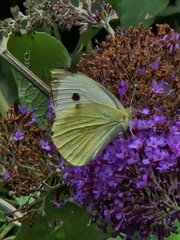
[
  {"x": 63, "y": 13},
  {"x": 25, "y": 163},
  {"x": 29, "y": 163},
  {"x": 139, "y": 57}
]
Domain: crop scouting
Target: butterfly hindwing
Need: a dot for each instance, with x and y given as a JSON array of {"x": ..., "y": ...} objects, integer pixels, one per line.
[{"x": 81, "y": 131}]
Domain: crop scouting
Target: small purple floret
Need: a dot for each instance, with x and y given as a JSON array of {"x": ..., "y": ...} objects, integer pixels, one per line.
[
  {"x": 45, "y": 145},
  {"x": 18, "y": 136}
]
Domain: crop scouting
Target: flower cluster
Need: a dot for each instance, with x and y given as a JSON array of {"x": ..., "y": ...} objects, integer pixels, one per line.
[
  {"x": 63, "y": 13},
  {"x": 140, "y": 58},
  {"x": 24, "y": 152},
  {"x": 133, "y": 184},
  {"x": 28, "y": 160}
]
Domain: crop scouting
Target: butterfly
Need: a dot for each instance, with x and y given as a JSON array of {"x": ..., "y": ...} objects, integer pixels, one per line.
[{"x": 88, "y": 116}]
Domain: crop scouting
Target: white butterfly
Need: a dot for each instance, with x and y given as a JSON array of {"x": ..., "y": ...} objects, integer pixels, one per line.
[{"x": 88, "y": 116}]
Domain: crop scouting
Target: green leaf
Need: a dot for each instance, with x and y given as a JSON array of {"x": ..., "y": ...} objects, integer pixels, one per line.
[
  {"x": 69, "y": 222},
  {"x": 142, "y": 11},
  {"x": 170, "y": 10},
  {"x": 118, "y": 238},
  {"x": 40, "y": 52},
  {"x": 45, "y": 53},
  {"x": 173, "y": 235},
  {"x": 8, "y": 89},
  {"x": 32, "y": 98},
  {"x": 5, "y": 206},
  {"x": 10, "y": 238},
  {"x": 83, "y": 41}
]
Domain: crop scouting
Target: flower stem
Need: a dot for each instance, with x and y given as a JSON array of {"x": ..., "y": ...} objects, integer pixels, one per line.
[{"x": 25, "y": 71}]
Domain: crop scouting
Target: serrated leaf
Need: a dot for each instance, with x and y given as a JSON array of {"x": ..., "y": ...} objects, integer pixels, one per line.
[
  {"x": 142, "y": 11},
  {"x": 32, "y": 98},
  {"x": 45, "y": 52},
  {"x": 69, "y": 222}
]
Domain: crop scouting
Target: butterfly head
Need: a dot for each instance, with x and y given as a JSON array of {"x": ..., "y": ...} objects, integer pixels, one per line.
[
  {"x": 131, "y": 111},
  {"x": 129, "y": 114},
  {"x": 125, "y": 119}
]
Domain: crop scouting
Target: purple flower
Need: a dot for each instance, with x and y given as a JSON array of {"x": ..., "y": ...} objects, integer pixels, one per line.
[
  {"x": 152, "y": 142},
  {"x": 141, "y": 70},
  {"x": 55, "y": 203},
  {"x": 49, "y": 114},
  {"x": 142, "y": 181},
  {"x": 149, "y": 123},
  {"x": 170, "y": 41},
  {"x": 120, "y": 155},
  {"x": 164, "y": 165},
  {"x": 115, "y": 186},
  {"x": 175, "y": 128},
  {"x": 45, "y": 145},
  {"x": 158, "y": 87},
  {"x": 122, "y": 87},
  {"x": 138, "y": 124},
  {"x": 174, "y": 44},
  {"x": 6, "y": 175},
  {"x": 174, "y": 144},
  {"x": 133, "y": 157},
  {"x": 146, "y": 161},
  {"x": 159, "y": 119},
  {"x": 175, "y": 36},
  {"x": 144, "y": 111},
  {"x": 159, "y": 155},
  {"x": 148, "y": 151},
  {"x": 22, "y": 110},
  {"x": 154, "y": 65},
  {"x": 18, "y": 136},
  {"x": 121, "y": 32},
  {"x": 35, "y": 119},
  {"x": 136, "y": 144}
]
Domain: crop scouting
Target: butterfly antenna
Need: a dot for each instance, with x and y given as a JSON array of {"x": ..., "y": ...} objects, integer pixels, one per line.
[{"x": 131, "y": 109}]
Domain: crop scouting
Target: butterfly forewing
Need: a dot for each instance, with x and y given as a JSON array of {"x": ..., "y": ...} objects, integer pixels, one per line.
[{"x": 67, "y": 84}]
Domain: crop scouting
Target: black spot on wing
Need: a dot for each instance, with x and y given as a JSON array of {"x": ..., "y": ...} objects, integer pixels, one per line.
[{"x": 75, "y": 97}]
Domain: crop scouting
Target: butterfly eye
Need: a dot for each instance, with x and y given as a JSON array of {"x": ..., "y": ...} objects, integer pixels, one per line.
[{"x": 75, "y": 97}]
